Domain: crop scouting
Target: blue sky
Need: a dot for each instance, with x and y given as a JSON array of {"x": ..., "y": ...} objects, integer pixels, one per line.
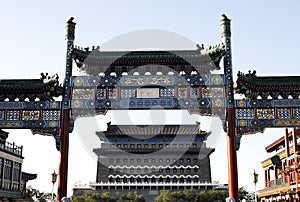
[{"x": 265, "y": 37}]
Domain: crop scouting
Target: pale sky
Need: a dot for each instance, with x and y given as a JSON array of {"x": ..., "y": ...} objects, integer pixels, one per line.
[{"x": 265, "y": 37}]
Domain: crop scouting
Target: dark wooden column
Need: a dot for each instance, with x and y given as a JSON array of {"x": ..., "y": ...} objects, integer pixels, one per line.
[
  {"x": 287, "y": 145},
  {"x": 294, "y": 133},
  {"x": 64, "y": 156},
  {"x": 268, "y": 173},
  {"x": 295, "y": 145},
  {"x": 266, "y": 178},
  {"x": 283, "y": 173},
  {"x": 275, "y": 175},
  {"x": 231, "y": 138},
  {"x": 287, "y": 153},
  {"x": 65, "y": 115}
]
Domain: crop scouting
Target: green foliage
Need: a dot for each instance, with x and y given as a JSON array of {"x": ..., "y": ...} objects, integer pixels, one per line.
[
  {"x": 212, "y": 196},
  {"x": 94, "y": 197},
  {"x": 107, "y": 197},
  {"x": 244, "y": 194},
  {"x": 187, "y": 195},
  {"x": 35, "y": 195},
  {"x": 190, "y": 195}
]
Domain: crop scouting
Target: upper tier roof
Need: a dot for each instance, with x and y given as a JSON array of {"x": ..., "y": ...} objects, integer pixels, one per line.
[
  {"x": 155, "y": 130},
  {"x": 278, "y": 143},
  {"x": 252, "y": 86},
  {"x": 28, "y": 176},
  {"x": 95, "y": 61},
  {"x": 44, "y": 88}
]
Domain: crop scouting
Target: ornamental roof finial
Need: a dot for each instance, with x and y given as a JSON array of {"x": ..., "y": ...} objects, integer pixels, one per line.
[
  {"x": 71, "y": 20},
  {"x": 225, "y": 25},
  {"x": 224, "y": 16},
  {"x": 70, "y": 28}
]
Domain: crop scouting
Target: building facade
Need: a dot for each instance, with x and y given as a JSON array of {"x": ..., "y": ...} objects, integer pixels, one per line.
[
  {"x": 282, "y": 170},
  {"x": 12, "y": 179},
  {"x": 150, "y": 158}
]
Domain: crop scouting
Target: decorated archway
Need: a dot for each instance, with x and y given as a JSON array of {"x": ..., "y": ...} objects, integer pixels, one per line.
[{"x": 180, "y": 79}]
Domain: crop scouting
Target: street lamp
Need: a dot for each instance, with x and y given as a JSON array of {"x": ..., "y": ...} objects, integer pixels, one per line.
[
  {"x": 54, "y": 177},
  {"x": 255, "y": 179}
]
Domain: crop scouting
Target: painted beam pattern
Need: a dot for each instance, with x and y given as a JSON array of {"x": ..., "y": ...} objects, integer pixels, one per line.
[
  {"x": 203, "y": 94},
  {"x": 30, "y": 115},
  {"x": 193, "y": 80},
  {"x": 255, "y": 115}
]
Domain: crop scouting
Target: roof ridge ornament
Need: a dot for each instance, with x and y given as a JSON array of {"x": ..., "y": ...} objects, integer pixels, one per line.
[
  {"x": 70, "y": 29},
  {"x": 225, "y": 24}
]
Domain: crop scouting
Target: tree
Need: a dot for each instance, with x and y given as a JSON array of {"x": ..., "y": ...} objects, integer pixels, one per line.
[
  {"x": 211, "y": 196},
  {"x": 131, "y": 197},
  {"x": 190, "y": 195},
  {"x": 244, "y": 194},
  {"x": 108, "y": 197},
  {"x": 35, "y": 195},
  {"x": 94, "y": 197}
]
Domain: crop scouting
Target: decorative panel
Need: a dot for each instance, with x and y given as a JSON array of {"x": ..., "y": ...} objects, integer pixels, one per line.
[
  {"x": 113, "y": 93},
  {"x": 285, "y": 102},
  {"x": 127, "y": 93},
  {"x": 167, "y": 92},
  {"x": 284, "y": 113},
  {"x": 217, "y": 79},
  {"x": 12, "y": 115},
  {"x": 51, "y": 115},
  {"x": 146, "y": 103},
  {"x": 214, "y": 79},
  {"x": 287, "y": 122},
  {"x": 83, "y": 94},
  {"x": 244, "y": 113},
  {"x": 297, "y": 113},
  {"x": 30, "y": 115},
  {"x": 188, "y": 103},
  {"x": 1, "y": 115},
  {"x": 146, "y": 80},
  {"x": 101, "y": 93},
  {"x": 265, "y": 113},
  {"x": 12, "y": 105},
  {"x": 182, "y": 92},
  {"x": 218, "y": 102},
  {"x": 147, "y": 93},
  {"x": 213, "y": 92},
  {"x": 194, "y": 92},
  {"x": 84, "y": 81}
]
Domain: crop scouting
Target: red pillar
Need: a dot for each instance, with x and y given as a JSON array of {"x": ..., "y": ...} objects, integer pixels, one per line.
[
  {"x": 231, "y": 155},
  {"x": 65, "y": 115},
  {"x": 231, "y": 138},
  {"x": 64, "y": 155}
]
